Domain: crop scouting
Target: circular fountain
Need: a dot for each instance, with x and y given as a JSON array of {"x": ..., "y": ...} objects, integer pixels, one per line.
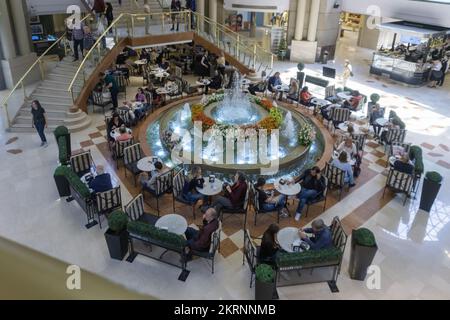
[{"x": 236, "y": 140}]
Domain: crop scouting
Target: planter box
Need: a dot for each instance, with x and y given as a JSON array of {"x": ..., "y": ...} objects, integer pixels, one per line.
[
  {"x": 361, "y": 258},
  {"x": 265, "y": 291},
  {"x": 430, "y": 191},
  {"x": 117, "y": 244},
  {"x": 62, "y": 185}
]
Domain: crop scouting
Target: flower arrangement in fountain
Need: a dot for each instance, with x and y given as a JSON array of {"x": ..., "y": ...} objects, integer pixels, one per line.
[
  {"x": 306, "y": 135},
  {"x": 170, "y": 139}
]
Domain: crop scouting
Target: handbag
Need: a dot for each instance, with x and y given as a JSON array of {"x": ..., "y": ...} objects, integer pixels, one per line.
[{"x": 351, "y": 74}]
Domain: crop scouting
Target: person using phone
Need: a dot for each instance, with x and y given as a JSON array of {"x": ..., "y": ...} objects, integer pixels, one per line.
[
  {"x": 234, "y": 196},
  {"x": 194, "y": 180},
  {"x": 321, "y": 238},
  {"x": 270, "y": 203},
  {"x": 313, "y": 184}
]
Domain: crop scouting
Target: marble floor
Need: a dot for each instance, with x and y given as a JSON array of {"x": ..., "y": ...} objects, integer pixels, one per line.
[{"x": 414, "y": 246}]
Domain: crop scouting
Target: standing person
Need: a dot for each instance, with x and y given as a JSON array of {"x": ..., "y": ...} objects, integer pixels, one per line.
[
  {"x": 348, "y": 72},
  {"x": 98, "y": 8},
  {"x": 175, "y": 6},
  {"x": 78, "y": 41},
  {"x": 109, "y": 15},
  {"x": 69, "y": 36},
  {"x": 100, "y": 30},
  {"x": 205, "y": 65},
  {"x": 39, "y": 121},
  {"x": 444, "y": 62},
  {"x": 111, "y": 84},
  {"x": 436, "y": 73},
  {"x": 88, "y": 40},
  {"x": 221, "y": 63},
  {"x": 190, "y": 5}
]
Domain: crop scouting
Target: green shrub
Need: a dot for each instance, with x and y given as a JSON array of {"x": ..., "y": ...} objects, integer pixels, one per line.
[
  {"x": 300, "y": 66},
  {"x": 434, "y": 176},
  {"x": 309, "y": 257},
  {"x": 62, "y": 171},
  {"x": 374, "y": 97},
  {"x": 364, "y": 237},
  {"x": 62, "y": 147},
  {"x": 148, "y": 231},
  {"x": 117, "y": 221},
  {"x": 73, "y": 180},
  {"x": 60, "y": 131},
  {"x": 415, "y": 152},
  {"x": 264, "y": 273}
]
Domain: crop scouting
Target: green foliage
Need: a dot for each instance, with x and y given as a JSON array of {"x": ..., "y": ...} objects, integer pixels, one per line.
[
  {"x": 310, "y": 257},
  {"x": 152, "y": 233},
  {"x": 117, "y": 221},
  {"x": 434, "y": 176},
  {"x": 364, "y": 237},
  {"x": 306, "y": 135},
  {"x": 60, "y": 131},
  {"x": 276, "y": 114},
  {"x": 374, "y": 97},
  {"x": 300, "y": 66},
  {"x": 62, "y": 171},
  {"x": 73, "y": 180},
  {"x": 62, "y": 147},
  {"x": 264, "y": 273},
  {"x": 415, "y": 152}
]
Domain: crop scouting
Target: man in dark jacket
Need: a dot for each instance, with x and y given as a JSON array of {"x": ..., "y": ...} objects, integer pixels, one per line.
[
  {"x": 312, "y": 185},
  {"x": 322, "y": 235},
  {"x": 102, "y": 182},
  {"x": 99, "y": 8},
  {"x": 200, "y": 240}
]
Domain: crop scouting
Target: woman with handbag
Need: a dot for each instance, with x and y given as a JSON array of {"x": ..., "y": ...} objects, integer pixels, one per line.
[
  {"x": 348, "y": 72},
  {"x": 436, "y": 73}
]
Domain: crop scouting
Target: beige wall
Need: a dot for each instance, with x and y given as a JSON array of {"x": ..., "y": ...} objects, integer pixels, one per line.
[{"x": 367, "y": 38}]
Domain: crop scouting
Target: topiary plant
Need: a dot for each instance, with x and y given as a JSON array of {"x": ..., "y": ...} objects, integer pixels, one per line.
[
  {"x": 300, "y": 66},
  {"x": 374, "y": 97},
  {"x": 364, "y": 237},
  {"x": 264, "y": 273},
  {"x": 60, "y": 131},
  {"x": 117, "y": 221},
  {"x": 434, "y": 176}
]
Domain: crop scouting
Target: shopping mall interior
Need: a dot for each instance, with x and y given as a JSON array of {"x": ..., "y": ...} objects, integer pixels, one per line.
[{"x": 225, "y": 150}]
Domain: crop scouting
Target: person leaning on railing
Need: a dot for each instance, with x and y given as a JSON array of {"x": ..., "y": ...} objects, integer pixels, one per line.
[{"x": 175, "y": 6}]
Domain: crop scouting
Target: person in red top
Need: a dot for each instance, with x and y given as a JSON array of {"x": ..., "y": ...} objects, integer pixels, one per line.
[
  {"x": 354, "y": 101},
  {"x": 200, "y": 240},
  {"x": 99, "y": 8},
  {"x": 124, "y": 135},
  {"x": 305, "y": 96},
  {"x": 234, "y": 196}
]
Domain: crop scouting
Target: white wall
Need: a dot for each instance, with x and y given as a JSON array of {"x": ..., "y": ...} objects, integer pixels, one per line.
[
  {"x": 43, "y": 7},
  {"x": 416, "y": 11},
  {"x": 279, "y": 5}
]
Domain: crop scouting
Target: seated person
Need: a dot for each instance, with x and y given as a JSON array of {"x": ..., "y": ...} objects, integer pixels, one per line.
[
  {"x": 269, "y": 245},
  {"x": 140, "y": 96},
  {"x": 124, "y": 135},
  {"x": 326, "y": 112},
  {"x": 321, "y": 239},
  {"x": 200, "y": 240},
  {"x": 313, "y": 184},
  {"x": 274, "y": 81},
  {"x": 394, "y": 123},
  {"x": 164, "y": 64},
  {"x": 376, "y": 113},
  {"x": 348, "y": 146},
  {"x": 395, "y": 120},
  {"x": 149, "y": 182},
  {"x": 293, "y": 90},
  {"x": 114, "y": 123},
  {"x": 305, "y": 96},
  {"x": 156, "y": 98},
  {"x": 216, "y": 82},
  {"x": 404, "y": 164},
  {"x": 234, "y": 197},
  {"x": 271, "y": 203},
  {"x": 194, "y": 180},
  {"x": 342, "y": 163},
  {"x": 136, "y": 111},
  {"x": 256, "y": 87},
  {"x": 102, "y": 181},
  {"x": 354, "y": 101},
  {"x": 144, "y": 55}
]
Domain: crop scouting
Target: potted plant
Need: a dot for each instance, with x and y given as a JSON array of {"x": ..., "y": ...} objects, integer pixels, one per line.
[
  {"x": 363, "y": 250},
  {"x": 300, "y": 73},
  {"x": 62, "y": 184},
  {"x": 430, "y": 189},
  {"x": 117, "y": 235},
  {"x": 282, "y": 49},
  {"x": 265, "y": 288}
]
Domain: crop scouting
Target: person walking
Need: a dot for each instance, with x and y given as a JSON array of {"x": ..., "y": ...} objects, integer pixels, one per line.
[
  {"x": 348, "y": 72},
  {"x": 436, "y": 73},
  {"x": 109, "y": 15},
  {"x": 176, "y": 7},
  {"x": 444, "y": 70},
  {"x": 98, "y": 8},
  {"x": 39, "y": 121},
  {"x": 78, "y": 41},
  {"x": 111, "y": 84}
]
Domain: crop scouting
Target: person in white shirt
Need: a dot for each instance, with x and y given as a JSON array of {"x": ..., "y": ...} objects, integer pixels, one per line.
[
  {"x": 436, "y": 73},
  {"x": 342, "y": 163},
  {"x": 348, "y": 72},
  {"x": 348, "y": 146}
]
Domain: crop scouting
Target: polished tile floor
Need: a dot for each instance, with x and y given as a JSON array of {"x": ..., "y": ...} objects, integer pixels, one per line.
[{"x": 414, "y": 246}]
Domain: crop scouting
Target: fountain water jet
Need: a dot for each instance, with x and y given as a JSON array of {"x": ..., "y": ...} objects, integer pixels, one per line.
[{"x": 288, "y": 129}]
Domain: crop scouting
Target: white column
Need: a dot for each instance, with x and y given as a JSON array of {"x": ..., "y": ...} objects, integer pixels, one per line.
[
  {"x": 313, "y": 20},
  {"x": 21, "y": 26},
  {"x": 6, "y": 34},
  {"x": 300, "y": 19},
  {"x": 213, "y": 10},
  {"x": 201, "y": 11}
]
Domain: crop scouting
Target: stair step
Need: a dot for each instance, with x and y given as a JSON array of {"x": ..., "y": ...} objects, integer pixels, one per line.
[{"x": 28, "y": 119}]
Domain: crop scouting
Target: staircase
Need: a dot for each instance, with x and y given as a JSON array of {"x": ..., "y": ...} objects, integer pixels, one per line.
[
  {"x": 137, "y": 6},
  {"x": 55, "y": 99}
]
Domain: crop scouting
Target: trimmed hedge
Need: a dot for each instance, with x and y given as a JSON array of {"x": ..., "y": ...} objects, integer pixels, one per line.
[
  {"x": 151, "y": 232},
  {"x": 374, "y": 97},
  {"x": 415, "y": 152},
  {"x": 309, "y": 257},
  {"x": 264, "y": 273},
  {"x": 62, "y": 147},
  {"x": 73, "y": 180},
  {"x": 117, "y": 221},
  {"x": 434, "y": 176},
  {"x": 364, "y": 237},
  {"x": 62, "y": 171},
  {"x": 60, "y": 131}
]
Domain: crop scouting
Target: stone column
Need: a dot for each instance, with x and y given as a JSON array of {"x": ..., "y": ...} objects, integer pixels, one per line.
[
  {"x": 213, "y": 10},
  {"x": 300, "y": 19},
  {"x": 21, "y": 26},
  {"x": 6, "y": 32},
  {"x": 201, "y": 11},
  {"x": 313, "y": 20}
]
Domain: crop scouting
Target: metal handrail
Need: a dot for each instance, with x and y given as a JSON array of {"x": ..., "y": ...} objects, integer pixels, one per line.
[{"x": 39, "y": 60}]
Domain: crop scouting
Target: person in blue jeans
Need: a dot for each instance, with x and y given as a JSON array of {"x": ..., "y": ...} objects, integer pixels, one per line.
[
  {"x": 342, "y": 163},
  {"x": 194, "y": 180},
  {"x": 312, "y": 184},
  {"x": 271, "y": 203},
  {"x": 321, "y": 238},
  {"x": 39, "y": 121}
]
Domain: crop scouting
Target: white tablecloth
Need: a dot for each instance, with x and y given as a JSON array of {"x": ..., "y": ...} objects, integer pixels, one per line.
[
  {"x": 286, "y": 238},
  {"x": 381, "y": 121},
  {"x": 288, "y": 190},
  {"x": 146, "y": 164},
  {"x": 173, "y": 223},
  {"x": 344, "y": 95},
  {"x": 211, "y": 189}
]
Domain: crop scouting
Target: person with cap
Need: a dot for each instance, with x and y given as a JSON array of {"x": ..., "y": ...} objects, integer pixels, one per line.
[
  {"x": 102, "y": 181},
  {"x": 348, "y": 72},
  {"x": 321, "y": 235}
]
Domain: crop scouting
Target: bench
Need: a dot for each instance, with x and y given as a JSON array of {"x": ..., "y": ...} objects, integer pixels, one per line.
[{"x": 313, "y": 266}]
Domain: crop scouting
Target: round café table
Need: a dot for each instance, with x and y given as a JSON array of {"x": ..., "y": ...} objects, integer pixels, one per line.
[
  {"x": 211, "y": 189},
  {"x": 288, "y": 190},
  {"x": 115, "y": 133},
  {"x": 204, "y": 83},
  {"x": 344, "y": 95},
  {"x": 319, "y": 103},
  {"x": 344, "y": 127},
  {"x": 173, "y": 223},
  {"x": 381, "y": 121},
  {"x": 147, "y": 164},
  {"x": 286, "y": 238},
  {"x": 336, "y": 155}
]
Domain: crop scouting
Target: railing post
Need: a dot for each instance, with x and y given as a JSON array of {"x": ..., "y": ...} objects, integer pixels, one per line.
[
  {"x": 7, "y": 116},
  {"x": 254, "y": 55},
  {"x": 162, "y": 24},
  {"x": 132, "y": 26},
  {"x": 188, "y": 28},
  {"x": 24, "y": 91},
  {"x": 128, "y": 27},
  {"x": 271, "y": 61},
  {"x": 237, "y": 47},
  {"x": 41, "y": 70},
  {"x": 116, "y": 34}
]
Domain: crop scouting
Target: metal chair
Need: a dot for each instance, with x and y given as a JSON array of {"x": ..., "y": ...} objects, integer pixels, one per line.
[
  {"x": 163, "y": 185},
  {"x": 335, "y": 177},
  {"x": 319, "y": 198},
  {"x": 213, "y": 248},
  {"x": 107, "y": 202},
  {"x": 82, "y": 163},
  {"x": 118, "y": 149},
  {"x": 243, "y": 210},
  {"x": 399, "y": 182},
  {"x": 338, "y": 115},
  {"x": 250, "y": 254},
  {"x": 256, "y": 207},
  {"x": 99, "y": 101},
  {"x": 131, "y": 156},
  {"x": 135, "y": 211},
  {"x": 179, "y": 180},
  {"x": 394, "y": 135}
]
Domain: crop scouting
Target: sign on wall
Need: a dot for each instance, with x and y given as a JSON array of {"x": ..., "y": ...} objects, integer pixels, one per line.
[{"x": 257, "y": 6}]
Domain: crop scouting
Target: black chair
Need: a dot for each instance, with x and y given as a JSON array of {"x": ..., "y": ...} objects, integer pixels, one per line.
[
  {"x": 251, "y": 254},
  {"x": 81, "y": 163},
  {"x": 163, "y": 186},
  {"x": 131, "y": 156},
  {"x": 319, "y": 198},
  {"x": 405, "y": 146},
  {"x": 179, "y": 179},
  {"x": 213, "y": 248},
  {"x": 338, "y": 115},
  {"x": 335, "y": 178},
  {"x": 99, "y": 101},
  {"x": 126, "y": 117},
  {"x": 118, "y": 149},
  {"x": 256, "y": 207},
  {"x": 400, "y": 182},
  {"x": 394, "y": 135},
  {"x": 243, "y": 210},
  {"x": 135, "y": 211},
  {"x": 107, "y": 202},
  {"x": 121, "y": 83},
  {"x": 186, "y": 88}
]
